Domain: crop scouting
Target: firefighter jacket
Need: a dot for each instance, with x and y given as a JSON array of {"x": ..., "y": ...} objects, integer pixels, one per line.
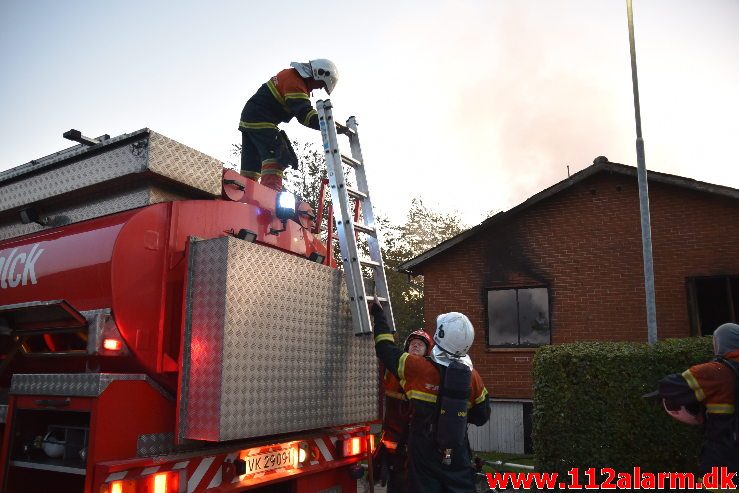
[
  {"x": 712, "y": 385},
  {"x": 397, "y": 414},
  {"x": 420, "y": 379},
  {"x": 281, "y": 98}
]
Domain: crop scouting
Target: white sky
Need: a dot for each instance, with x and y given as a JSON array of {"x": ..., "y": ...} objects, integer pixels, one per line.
[{"x": 470, "y": 105}]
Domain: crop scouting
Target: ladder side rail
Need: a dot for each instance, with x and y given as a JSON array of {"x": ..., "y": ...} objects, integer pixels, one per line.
[
  {"x": 344, "y": 222},
  {"x": 330, "y": 235},
  {"x": 374, "y": 243}
]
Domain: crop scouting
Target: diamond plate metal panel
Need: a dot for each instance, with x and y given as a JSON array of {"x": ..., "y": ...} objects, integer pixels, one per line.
[
  {"x": 278, "y": 349},
  {"x": 65, "y": 154},
  {"x": 162, "y": 444},
  {"x": 72, "y": 384},
  {"x": 184, "y": 164},
  {"x": 200, "y": 414},
  {"x": 155, "y": 444},
  {"x": 123, "y": 173},
  {"x": 118, "y": 201},
  {"x": 85, "y": 172}
]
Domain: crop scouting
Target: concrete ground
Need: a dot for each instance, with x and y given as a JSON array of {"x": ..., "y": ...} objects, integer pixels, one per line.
[{"x": 362, "y": 487}]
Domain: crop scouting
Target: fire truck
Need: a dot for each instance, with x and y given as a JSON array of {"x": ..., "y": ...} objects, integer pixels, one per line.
[{"x": 167, "y": 325}]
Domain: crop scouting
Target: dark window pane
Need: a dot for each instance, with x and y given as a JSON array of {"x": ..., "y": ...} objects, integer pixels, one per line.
[
  {"x": 502, "y": 318},
  {"x": 533, "y": 313},
  {"x": 712, "y": 297}
]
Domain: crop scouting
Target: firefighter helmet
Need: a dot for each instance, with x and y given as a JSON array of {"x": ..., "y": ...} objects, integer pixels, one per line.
[
  {"x": 325, "y": 71},
  {"x": 454, "y": 334},
  {"x": 320, "y": 69},
  {"x": 725, "y": 339},
  {"x": 421, "y": 335}
]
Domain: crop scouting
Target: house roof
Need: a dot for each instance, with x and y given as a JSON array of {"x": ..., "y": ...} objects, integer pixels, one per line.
[{"x": 600, "y": 165}]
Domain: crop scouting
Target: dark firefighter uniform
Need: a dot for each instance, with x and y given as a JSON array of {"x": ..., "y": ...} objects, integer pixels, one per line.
[
  {"x": 280, "y": 99},
  {"x": 420, "y": 378},
  {"x": 712, "y": 385},
  {"x": 395, "y": 433}
]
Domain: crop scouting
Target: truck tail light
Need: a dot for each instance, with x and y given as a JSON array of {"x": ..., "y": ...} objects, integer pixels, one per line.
[
  {"x": 163, "y": 482},
  {"x": 352, "y": 446},
  {"x": 112, "y": 344},
  {"x": 119, "y": 487},
  {"x": 303, "y": 453}
]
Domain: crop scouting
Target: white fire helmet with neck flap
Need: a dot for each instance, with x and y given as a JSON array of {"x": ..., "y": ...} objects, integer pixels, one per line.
[
  {"x": 319, "y": 69},
  {"x": 453, "y": 337}
]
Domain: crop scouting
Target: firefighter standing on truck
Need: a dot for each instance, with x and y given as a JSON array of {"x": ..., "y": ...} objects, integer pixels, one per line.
[
  {"x": 391, "y": 459},
  {"x": 265, "y": 150},
  {"x": 445, "y": 393},
  {"x": 710, "y": 389}
]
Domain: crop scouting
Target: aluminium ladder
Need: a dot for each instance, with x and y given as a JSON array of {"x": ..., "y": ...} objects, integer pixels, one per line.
[{"x": 347, "y": 229}]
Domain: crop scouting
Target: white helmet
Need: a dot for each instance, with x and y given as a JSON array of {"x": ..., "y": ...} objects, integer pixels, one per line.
[
  {"x": 320, "y": 69},
  {"x": 454, "y": 334},
  {"x": 325, "y": 70}
]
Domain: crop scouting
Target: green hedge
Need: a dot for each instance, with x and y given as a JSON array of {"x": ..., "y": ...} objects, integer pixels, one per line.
[{"x": 588, "y": 409}]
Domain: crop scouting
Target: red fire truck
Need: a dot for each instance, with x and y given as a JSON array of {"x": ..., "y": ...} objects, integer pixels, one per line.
[{"x": 164, "y": 328}]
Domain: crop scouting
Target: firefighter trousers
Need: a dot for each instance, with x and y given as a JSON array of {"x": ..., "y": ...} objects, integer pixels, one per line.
[
  {"x": 429, "y": 475},
  {"x": 265, "y": 148}
]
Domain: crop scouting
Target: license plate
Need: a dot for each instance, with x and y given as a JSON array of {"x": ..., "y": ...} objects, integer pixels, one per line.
[{"x": 285, "y": 456}]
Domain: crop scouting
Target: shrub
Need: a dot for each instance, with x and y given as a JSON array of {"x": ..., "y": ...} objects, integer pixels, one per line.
[{"x": 589, "y": 410}]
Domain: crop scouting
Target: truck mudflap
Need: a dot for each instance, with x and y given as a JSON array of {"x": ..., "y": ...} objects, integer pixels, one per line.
[{"x": 238, "y": 468}]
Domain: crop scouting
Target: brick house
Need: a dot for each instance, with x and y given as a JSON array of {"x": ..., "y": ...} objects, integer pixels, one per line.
[{"x": 566, "y": 265}]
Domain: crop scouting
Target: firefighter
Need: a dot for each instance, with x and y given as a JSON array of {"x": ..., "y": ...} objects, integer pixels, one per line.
[
  {"x": 390, "y": 459},
  {"x": 265, "y": 150},
  {"x": 438, "y": 450},
  {"x": 707, "y": 392}
]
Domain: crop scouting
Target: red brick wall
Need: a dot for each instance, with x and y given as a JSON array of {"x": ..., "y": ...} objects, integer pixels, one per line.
[{"x": 585, "y": 244}]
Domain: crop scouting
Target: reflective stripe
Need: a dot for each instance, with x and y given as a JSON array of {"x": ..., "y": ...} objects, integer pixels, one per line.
[
  {"x": 384, "y": 337},
  {"x": 197, "y": 476},
  {"x": 324, "y": 449},
  {"x": 396, "y": 395},
  {"x": 274, "y": 172},
  {"x": 296, "y": 95},
  {"x": 116, "y": 476},
  {"x": 421, "y": 396},
  {"x": 401, "y": 368},
  {"x": 273, "y": 89},
  {"x": 257, "y": 125},
  {"x": 307, "y": 118},
  {"x": 694, "y": 385},
  {"x": 720, "y": 408},
  {"x": 482, "y": 396}
]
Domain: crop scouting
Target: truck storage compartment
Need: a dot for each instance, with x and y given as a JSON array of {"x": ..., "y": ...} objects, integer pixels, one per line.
[
  {"x": 118, "y": 174},
  {"x": 48, "y": 447},
  {"x": 268, "y": 346}
]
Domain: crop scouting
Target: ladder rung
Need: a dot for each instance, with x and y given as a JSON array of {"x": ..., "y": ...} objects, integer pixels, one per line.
[
  {"x": 379, "y": 299},
  {"x": 350, "y": 161},
  {"x": 356, "y": 194},
  {"x": 343, "y": 129},
  {"x": 364, "y": 229},
  {"x": 369, "y": 263}
]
